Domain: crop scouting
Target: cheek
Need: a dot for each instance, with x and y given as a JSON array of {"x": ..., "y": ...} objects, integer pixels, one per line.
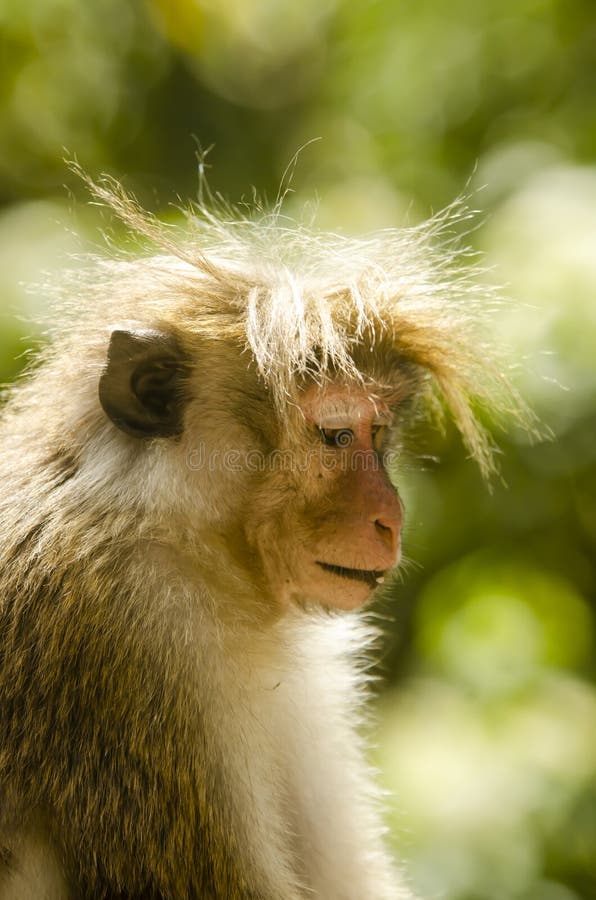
[
  {"x": 221, "y": 476},
  {"x": 270, "y": 519}
]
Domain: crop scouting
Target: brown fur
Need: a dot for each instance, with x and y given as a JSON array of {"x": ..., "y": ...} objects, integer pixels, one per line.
[{"x": 128, "y": 632}]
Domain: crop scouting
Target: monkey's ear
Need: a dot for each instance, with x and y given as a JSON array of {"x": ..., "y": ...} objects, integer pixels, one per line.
[{"x": 141, "y": 386}]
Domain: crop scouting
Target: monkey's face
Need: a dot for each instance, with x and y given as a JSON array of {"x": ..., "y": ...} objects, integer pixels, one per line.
[
  {"x": 299, "y": 504},
  {"x": 327, "y": 527}
]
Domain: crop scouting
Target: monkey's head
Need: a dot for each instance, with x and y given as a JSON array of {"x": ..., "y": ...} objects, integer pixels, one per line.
[
  {"x": 254, "y": 390},
  {"x": 298, "y": 492}
]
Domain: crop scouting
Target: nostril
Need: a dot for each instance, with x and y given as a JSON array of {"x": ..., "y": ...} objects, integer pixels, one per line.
[{"x": 385, "y": 532}]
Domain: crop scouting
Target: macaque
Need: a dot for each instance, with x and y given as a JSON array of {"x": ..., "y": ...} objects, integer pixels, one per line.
[{"x": 197, "y": 507}]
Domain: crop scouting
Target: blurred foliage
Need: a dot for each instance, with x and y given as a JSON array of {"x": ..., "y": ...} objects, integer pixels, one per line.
[{"x": 488, "y": 726}]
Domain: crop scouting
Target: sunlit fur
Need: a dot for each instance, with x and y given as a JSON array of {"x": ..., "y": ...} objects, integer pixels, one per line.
[{"x": 166, "y": 729}]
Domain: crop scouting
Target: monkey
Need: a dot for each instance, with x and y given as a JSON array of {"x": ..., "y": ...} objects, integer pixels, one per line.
[{"x": 197, "y": 508}]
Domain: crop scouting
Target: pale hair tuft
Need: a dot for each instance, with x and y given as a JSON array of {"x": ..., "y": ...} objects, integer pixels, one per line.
[{"x": 303, "y": 300}]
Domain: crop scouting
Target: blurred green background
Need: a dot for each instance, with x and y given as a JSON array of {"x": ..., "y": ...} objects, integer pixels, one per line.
[{"x": 487, "y": 739}]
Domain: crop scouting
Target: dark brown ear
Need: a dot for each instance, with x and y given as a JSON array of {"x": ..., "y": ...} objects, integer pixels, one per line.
[{"x": 142, "y": 385}]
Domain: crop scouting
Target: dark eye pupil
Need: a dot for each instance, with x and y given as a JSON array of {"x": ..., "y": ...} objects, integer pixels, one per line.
[{"x": 336, "y": 437}]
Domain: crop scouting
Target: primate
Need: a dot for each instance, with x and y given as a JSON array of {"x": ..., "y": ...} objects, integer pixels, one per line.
[{"x": 196, "y": 507}]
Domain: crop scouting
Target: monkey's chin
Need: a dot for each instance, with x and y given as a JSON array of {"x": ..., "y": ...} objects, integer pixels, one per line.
[{"x": 348, "y": 598}]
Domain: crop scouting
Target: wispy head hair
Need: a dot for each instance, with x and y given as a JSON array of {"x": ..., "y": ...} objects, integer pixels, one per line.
[{"x": 305, "y": 303}]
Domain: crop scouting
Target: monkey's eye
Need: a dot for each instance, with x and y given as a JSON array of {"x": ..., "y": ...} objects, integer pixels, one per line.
[{"x": 336, "y": 437}]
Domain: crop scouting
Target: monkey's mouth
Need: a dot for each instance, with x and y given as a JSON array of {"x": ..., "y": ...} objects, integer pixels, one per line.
[{"x": 371, "y": 577}]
